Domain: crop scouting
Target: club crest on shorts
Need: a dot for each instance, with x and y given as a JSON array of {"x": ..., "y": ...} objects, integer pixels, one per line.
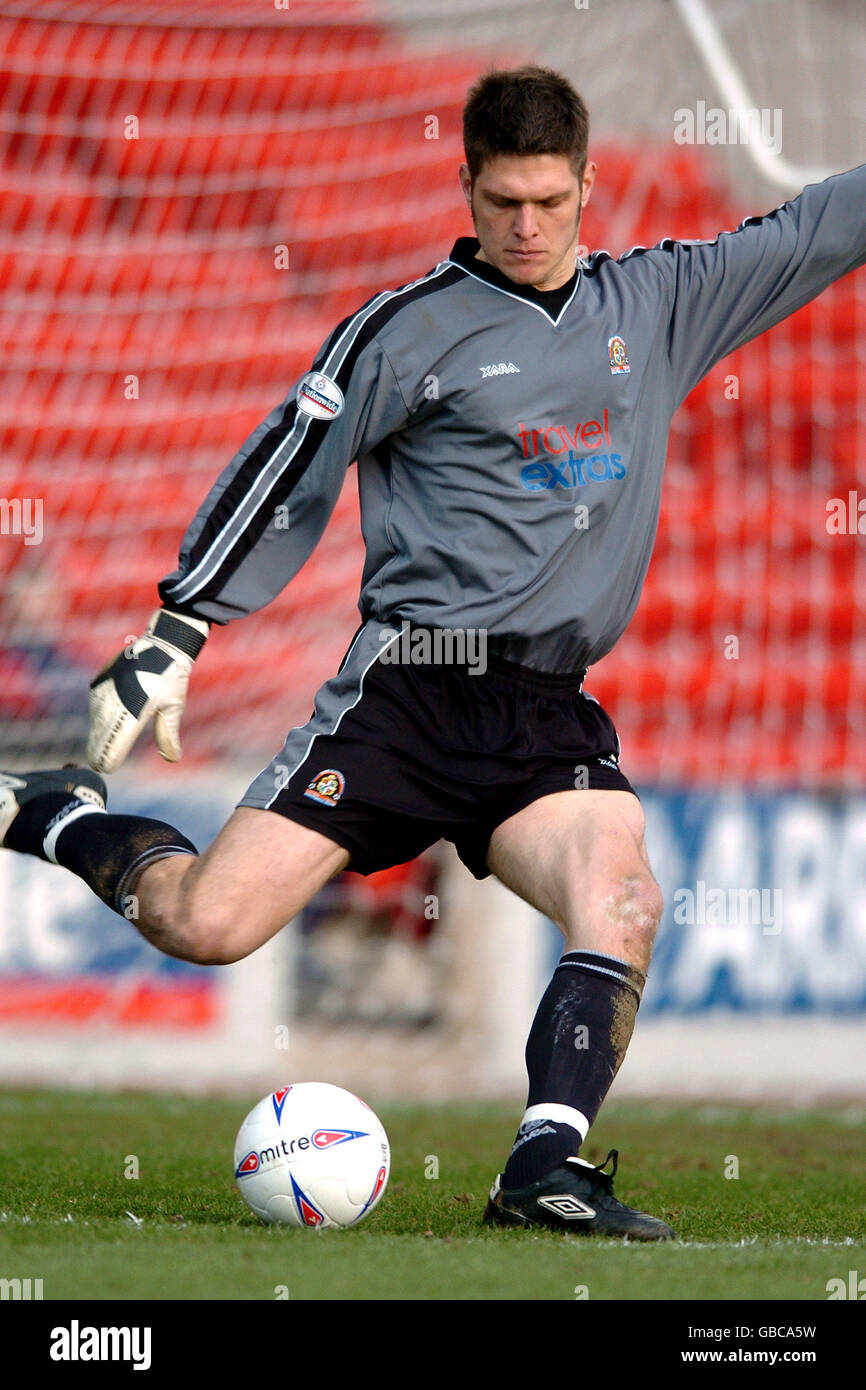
[
  {"x": 618, "y": 354},
  {"x": 319, "y": 396},
  {"x": 326, "y": 787}
]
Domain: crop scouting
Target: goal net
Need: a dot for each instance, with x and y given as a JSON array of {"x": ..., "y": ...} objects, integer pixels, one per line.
[
  {"x": 192, "y": 199},
  {"x": 188, "y": 210}
]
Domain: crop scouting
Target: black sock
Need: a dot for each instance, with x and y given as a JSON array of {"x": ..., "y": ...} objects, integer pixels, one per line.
[
  {"x": 109, "y": 852},
  {"x": 577, "y": 1041}
]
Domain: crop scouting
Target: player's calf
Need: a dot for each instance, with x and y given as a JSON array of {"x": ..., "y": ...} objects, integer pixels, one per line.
[
  {"x": 258, "y": 874},
  {"x": 580, "y": 858},
  {"x": 185, "y": 912},
  {"x": 209, "y": 909}
]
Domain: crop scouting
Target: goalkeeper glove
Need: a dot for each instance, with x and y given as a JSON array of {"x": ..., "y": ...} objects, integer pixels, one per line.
[{"x": 149, "y": 677}]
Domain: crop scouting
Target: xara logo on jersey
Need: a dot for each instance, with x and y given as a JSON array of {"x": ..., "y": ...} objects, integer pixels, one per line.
[
  {"x": 500, "y": 369},
  {"x": 560, "y": 462}
]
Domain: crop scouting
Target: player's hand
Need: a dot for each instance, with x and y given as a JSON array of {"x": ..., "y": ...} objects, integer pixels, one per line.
[{"x": 149, "y": 677}]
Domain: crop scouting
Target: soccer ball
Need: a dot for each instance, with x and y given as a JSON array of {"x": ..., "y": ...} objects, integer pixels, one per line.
[{"x": 312, "y": 1155}]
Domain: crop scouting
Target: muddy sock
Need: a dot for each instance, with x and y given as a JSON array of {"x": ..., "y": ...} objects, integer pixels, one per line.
[{"x": 578, "y": 1039}]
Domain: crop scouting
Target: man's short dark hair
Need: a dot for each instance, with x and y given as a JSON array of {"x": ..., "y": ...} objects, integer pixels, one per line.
[{"x": 528, "y": 110}]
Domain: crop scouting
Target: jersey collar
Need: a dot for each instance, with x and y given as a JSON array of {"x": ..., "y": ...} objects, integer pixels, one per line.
[{"x": 552, "y": 305}]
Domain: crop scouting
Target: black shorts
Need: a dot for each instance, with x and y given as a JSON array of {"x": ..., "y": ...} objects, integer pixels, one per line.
[{"x": 399, "y": 756}]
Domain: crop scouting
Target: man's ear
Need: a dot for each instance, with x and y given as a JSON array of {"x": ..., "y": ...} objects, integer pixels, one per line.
[
  {"x": 466, "y": 184},
  {"x": 589, "y": 174}
]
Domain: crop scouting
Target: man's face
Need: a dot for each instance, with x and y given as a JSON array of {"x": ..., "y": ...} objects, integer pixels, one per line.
[{"x": 527, "y": 210}]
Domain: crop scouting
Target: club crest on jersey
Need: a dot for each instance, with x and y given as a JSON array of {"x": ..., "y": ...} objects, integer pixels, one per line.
[
  {"x": 319, "y": 396},
  {"x": 618, "y": 355},
  {"x": 326, "y": 787}
]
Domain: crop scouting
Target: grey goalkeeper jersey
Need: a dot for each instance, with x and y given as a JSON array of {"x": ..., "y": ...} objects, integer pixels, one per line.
[{"x": 510, "y": 457}]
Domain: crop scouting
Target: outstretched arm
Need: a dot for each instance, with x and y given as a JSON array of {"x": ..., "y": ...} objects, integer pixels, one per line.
[
  {"x": 255, "y": 529},
  {"x": 727, "y": 291},
  {"x": 267, "y": 511}
]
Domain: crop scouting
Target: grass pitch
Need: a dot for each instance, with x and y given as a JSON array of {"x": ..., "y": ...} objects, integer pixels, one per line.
[{"x": 790, "y": 1221}]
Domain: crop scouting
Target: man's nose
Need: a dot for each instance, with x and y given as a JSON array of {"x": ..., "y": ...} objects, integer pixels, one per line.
[{"x": 525, "y": 223}]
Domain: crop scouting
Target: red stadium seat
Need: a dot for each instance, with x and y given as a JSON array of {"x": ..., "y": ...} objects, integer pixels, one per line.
[{"x": 154, "y": 257}]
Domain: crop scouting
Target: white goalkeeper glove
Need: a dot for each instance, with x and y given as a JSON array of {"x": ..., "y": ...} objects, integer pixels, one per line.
[{"x": 149, "y": 677}]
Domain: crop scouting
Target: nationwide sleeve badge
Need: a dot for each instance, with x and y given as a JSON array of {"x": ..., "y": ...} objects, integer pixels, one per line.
[{"x": 319, "y": 396}]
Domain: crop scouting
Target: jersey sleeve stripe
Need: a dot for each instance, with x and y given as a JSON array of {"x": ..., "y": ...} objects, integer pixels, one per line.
[
  {"x": 275, "y": 466},
  {"x": 597, "y": 258}
]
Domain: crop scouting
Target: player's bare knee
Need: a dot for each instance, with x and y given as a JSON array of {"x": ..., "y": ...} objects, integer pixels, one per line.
[
  {"x": 626, "y": 909},
  {"x": 634, "y": 907}
]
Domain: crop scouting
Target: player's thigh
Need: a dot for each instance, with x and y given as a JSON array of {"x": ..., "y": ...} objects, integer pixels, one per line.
[
  {"x": 580, "y": 858},
  {"x": 258, "y": 873}
]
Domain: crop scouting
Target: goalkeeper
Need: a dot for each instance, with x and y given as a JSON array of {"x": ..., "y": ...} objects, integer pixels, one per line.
[{"x": 509, "y": 413}]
